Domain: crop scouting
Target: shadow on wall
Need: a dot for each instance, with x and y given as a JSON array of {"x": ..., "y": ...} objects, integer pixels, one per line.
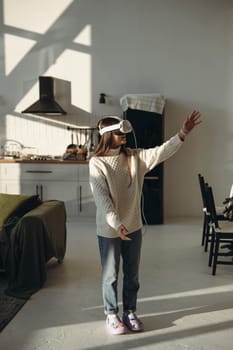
[{"x": 40, "y": 58}]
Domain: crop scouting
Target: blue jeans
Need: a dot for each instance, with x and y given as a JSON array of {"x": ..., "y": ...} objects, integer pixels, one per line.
[{"x": 111, "y": 249}]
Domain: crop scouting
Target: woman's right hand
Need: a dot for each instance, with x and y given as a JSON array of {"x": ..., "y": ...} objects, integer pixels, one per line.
[{"x": 122, "y": 233}]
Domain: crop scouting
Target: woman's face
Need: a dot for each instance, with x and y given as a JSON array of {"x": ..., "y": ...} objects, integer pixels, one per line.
[{"x": 118, "y": 139}]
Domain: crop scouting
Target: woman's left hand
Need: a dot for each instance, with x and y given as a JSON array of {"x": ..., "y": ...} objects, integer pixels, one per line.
[
  {"x": 122, "y": 233},
  {"x": 191, "y": 121}
]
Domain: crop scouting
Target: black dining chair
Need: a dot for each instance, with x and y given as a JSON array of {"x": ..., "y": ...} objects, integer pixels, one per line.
[
  {"x": 221, "y": 233},
  {"x": 206, "y": 232}
]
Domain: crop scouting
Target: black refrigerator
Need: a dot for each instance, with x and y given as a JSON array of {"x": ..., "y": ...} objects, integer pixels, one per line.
[{"x": 149, "y": 131}]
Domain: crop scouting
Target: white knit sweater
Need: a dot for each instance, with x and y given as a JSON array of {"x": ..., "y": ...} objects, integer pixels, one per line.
[{"x": 117, "y": 197}]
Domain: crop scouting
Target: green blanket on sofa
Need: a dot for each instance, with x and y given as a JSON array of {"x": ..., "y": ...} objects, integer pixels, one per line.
[
  {"x": 12, "y": 208},
  {"x": 16, "y": 205},
  {"x": 28, "y": 242}
]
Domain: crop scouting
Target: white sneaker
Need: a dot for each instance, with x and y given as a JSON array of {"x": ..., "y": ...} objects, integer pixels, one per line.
[
  {"x": 132, "y": 322},
  {"x": 114, "y": 324}
]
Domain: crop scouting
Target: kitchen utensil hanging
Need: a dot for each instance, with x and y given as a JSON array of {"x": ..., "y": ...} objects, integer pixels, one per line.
[{"x": 84, "y": 137}]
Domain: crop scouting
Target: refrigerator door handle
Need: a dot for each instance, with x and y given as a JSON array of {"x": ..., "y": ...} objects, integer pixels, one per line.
[{"x": 151, "y": 178}]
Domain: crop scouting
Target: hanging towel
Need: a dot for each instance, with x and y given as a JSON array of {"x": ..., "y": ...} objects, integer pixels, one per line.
[{"x": 145, "y": 102}]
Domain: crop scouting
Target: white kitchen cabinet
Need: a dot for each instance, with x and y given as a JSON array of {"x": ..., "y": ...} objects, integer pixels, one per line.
[
  {"x": 10, "y": 178},
  {"x": 66, "y": 182},
  {"x": 10, "y": 187},
  {"x": 48, "y": 190},
  {"x": 86, "y": 206}
]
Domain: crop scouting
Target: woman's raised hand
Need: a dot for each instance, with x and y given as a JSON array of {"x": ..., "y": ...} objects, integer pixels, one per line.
[{"x": 191, "y": 121}]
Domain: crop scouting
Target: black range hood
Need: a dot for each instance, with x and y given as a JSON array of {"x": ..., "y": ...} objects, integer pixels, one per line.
[{"x": 46, "y": 103}]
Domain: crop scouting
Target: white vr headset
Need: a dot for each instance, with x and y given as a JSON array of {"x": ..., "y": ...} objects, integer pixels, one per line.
[{"x": 123, "y": 126}]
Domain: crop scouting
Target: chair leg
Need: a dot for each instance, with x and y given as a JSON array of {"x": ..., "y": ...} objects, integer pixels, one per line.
[
  {"x": 215, "y": 256},
  {"x": 203, "y": 231},
  {"x": 212, "y": 247},
  {"x": 208, "y": 235}
]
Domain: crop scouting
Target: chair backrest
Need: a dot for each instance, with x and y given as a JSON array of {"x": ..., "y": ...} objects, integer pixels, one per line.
[
  {"x": 211, "y": 208},
  {"x": 203, "y": 190}
]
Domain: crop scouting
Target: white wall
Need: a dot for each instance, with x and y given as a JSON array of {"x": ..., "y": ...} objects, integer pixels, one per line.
[{"x": 182, "y": 49}]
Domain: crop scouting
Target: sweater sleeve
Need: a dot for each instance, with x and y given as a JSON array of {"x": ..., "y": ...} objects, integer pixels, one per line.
[
  {"x": 101, "y": 194},
  {"x": 153, "y": 156}
]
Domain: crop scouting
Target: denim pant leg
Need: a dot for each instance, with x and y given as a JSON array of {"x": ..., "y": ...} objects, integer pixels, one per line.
[
  {"x": 131, "y": 252},
  {"x": 110, "y": 252}
]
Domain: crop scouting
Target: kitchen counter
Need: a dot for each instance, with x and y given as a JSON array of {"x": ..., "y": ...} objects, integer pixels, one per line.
[{"x": 49, "y": 161}]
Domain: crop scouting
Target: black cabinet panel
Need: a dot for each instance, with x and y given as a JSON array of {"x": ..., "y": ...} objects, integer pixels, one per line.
[
  {"x": 149, "y": 129},
  {"x": 152, "y": 203}
]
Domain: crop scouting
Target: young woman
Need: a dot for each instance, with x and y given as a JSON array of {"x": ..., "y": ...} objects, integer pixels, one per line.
[{"x": 116, "y": 179}]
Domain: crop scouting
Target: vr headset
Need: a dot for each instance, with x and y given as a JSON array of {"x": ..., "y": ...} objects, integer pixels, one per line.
[{"x": 124, "y": 126}]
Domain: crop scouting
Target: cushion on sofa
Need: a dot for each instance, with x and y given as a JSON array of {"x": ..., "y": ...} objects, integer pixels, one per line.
[{"x": 16, "y": 205}]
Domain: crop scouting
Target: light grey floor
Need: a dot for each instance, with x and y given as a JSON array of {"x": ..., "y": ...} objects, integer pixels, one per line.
[{"x": 182, "y": 305}]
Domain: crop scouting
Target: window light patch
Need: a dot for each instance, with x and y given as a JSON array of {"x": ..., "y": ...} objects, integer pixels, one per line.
[
  {"x": 15, "y": 50},
  {"x": 84, "y": 37}
]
